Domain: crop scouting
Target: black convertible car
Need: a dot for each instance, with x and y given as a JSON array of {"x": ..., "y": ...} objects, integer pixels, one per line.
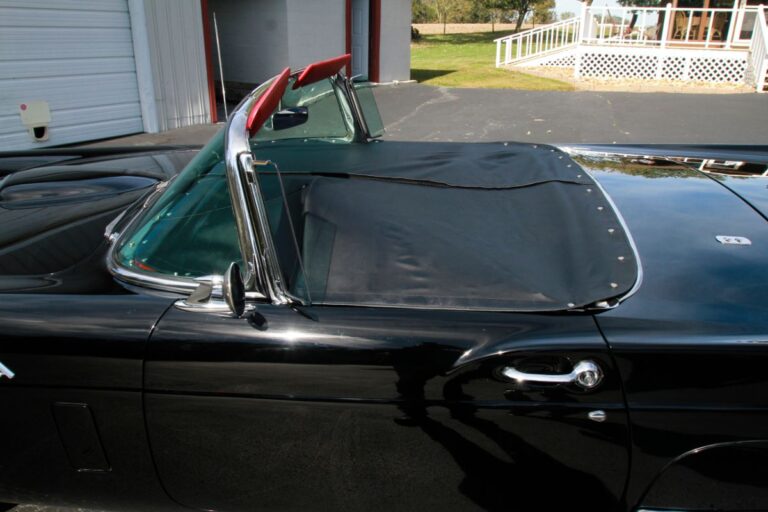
[{"x": 299, "y": 316}]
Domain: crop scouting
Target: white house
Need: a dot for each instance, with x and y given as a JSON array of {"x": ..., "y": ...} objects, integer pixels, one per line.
[
  {"x": 80, "y": 70},
  {"x": 690, "y": 40}
]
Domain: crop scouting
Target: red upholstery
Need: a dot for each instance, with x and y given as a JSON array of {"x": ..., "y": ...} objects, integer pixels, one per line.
[
  {"x": 267, "y": 102},
  {"x": 321, "y": 69}
]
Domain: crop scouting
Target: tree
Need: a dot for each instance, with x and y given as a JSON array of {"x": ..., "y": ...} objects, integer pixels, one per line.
[
  {"x": 496, "y": 10},
  {"x": 445, "y": 9},
  {"x": 421, "y": 12},
  {"x": 566, "y": 15},
  {"x": 523, "y": 8},
  {"x": 543, "y": 11}
]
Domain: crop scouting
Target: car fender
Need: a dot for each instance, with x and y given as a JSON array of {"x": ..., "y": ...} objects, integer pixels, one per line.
[{"x": 722, "y": 476}]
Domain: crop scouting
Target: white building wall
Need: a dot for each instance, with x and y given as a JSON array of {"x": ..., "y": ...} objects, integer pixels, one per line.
[
  {"x": 316, "y": 31},
  {"x": 395, "y": 57},
  {"x": 173, "y": 76},
  {"x": 76, "y": 55},
  {"x": 253, "y": 36},
  {"x": 260, "y": 37}
]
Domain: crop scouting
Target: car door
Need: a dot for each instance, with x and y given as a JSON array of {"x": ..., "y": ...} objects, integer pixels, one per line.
[{"x": 344, "y": 408}]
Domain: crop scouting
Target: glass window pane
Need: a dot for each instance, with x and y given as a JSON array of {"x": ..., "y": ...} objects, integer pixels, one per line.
[
  {"x": 190, "y": 231},
  {"x": 364, "y": 91},
  {"x": 327, "y": 118},
  {"x": 284, "y": 206}
]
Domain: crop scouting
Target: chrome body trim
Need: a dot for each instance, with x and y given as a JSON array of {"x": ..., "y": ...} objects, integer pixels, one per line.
[
  {"x": 599, "y": 416},
  {"x": 733, "y": 240}
]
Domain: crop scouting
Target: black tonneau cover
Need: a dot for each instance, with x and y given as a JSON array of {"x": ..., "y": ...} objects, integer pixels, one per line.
[{"x": 495, "y": 226}]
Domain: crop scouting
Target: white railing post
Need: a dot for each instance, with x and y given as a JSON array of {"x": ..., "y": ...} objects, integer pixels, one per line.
[
  {"x": 731, "y": 26},
  {"x": 667, "y": 22},
  {"x": 758, "y": 52},
  {"x": 763, "y": 33},
  {"x": 582, "y": 36}
]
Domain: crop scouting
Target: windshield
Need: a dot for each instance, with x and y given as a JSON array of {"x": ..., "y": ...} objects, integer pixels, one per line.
[
  {"x": 328, "y": 116},
  {"x": 190, "y": 231}
]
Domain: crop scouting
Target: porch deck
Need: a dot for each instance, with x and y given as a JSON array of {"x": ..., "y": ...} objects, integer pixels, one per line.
[{"x": 684, "y": 43}]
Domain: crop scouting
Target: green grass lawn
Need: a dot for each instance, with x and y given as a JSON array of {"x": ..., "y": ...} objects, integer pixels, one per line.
[{"x": 468, "y": 60}]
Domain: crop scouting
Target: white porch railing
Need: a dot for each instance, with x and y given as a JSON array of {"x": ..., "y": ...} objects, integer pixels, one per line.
[
  {"x": 537, "y": 41},
  {"x": 759, "y": 51},
  {"x": 662, "y": 27},
  {"x": 678, "y": 27}
]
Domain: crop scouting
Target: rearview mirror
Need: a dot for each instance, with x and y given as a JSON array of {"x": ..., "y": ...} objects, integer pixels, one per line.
[
  {"x": 233, "y": 290},
  {"x": 289, "y": 117}
]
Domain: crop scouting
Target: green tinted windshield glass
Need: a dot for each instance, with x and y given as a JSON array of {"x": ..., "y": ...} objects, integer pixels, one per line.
[
  {"x": 328, "y": 115},
  {"x": 190, "y": 231}
]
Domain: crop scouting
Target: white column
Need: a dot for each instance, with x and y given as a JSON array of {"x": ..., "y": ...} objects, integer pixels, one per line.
[
  {"x": 731, "y": 25},
  {"x": 142, "y": 59},
  {"x": 667, "y": 22},
  {"x": 583, "y": 22}
]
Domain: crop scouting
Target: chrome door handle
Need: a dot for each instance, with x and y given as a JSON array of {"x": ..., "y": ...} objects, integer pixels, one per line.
[
  {"x": 586, "y": 374},
  {"x": 6, "y": 372}
]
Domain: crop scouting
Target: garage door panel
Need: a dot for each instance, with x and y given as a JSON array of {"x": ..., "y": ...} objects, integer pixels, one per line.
[
  {"x": 23, "y": 43},
  {"x": 76, "y": 117},
  {"x": 72, "y": 134},
  {"x": 79, "y": 5},
  {"x": 78, "y": 57},
  {"x": 62, "y": 18},
  {"x": 70, "y": 92},
  {"x": 64, "y": 67}
]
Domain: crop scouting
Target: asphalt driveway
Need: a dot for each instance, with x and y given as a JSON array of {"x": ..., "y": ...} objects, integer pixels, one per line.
[
  {"x": 420, "y": 112},
  {"x": 417, "y": 112}
]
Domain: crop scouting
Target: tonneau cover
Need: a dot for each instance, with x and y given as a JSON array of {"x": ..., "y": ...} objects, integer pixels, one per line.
[
  {"x": 487, "y": 165},
  {"x": 509, "y": 227}
]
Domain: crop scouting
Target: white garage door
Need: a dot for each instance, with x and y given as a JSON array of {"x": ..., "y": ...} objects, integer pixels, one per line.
[{"x": 76, "y": 55}]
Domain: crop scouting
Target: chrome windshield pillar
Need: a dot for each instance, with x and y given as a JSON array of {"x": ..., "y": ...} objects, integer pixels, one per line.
[{"x": 262, "y": 271}]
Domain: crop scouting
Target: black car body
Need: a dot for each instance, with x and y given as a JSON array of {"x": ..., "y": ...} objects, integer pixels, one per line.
[{"x": 495, "y": 326}]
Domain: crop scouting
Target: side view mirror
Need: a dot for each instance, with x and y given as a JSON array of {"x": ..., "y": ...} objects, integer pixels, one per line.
[
  {"x": 289, "y": 117},
  {"x": 233, "y": 290}
]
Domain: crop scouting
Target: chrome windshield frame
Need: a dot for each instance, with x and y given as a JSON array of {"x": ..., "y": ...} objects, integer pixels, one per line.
[{"x": 262, "y": 271}]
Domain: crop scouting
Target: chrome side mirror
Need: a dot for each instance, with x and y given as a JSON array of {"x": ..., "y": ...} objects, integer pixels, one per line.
[{"x": 233, "y": 290}]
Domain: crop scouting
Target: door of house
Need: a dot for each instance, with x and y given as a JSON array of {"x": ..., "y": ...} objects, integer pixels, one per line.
[{"x": 360, "y": 36}]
